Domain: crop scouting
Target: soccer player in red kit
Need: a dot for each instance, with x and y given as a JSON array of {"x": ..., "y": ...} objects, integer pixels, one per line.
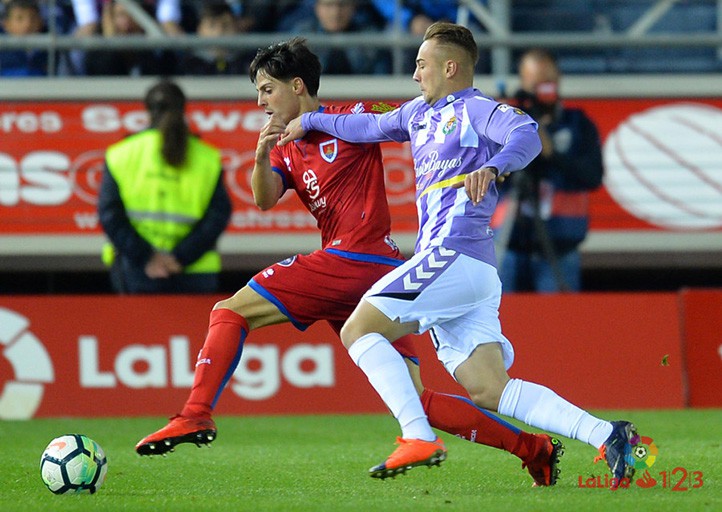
[{"x": 342, "y": 185}]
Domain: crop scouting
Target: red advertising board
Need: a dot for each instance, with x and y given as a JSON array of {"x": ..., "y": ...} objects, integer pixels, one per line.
[
  {"x": 703, "y": 346},
  {"x": 111, "y": 356},
  {"x": 606, "y": 350},
  {"x": 134, "y": 356},
  {"x": 52, "y": 157},
  {"x": 661, "y": 158}
]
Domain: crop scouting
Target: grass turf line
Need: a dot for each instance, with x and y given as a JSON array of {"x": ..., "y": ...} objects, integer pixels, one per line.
[{"x": 320, "y": 463}]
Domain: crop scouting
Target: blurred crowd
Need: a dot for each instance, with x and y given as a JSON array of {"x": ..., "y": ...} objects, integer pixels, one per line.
[
  {"x": 176, "y": 18},
  {"x": 217, "y": 18}
]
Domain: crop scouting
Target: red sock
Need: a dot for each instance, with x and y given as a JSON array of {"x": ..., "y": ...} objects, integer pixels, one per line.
[
  {"x": 217, "y": 361},
  {"x": 461, "y": 417}
]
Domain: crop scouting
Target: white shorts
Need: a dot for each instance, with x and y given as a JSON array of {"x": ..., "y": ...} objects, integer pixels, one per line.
[{"x": 454, "y": 295}]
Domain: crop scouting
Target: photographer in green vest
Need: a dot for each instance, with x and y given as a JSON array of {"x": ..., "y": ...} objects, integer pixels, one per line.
[{"x": 163, "y": 204}]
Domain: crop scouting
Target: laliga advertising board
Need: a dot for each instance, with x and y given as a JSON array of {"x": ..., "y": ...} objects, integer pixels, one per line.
[
  {"x": 129, "y": 356},
  {"x": 92, "y": 356},
  {"x": 661, "y": 158}
]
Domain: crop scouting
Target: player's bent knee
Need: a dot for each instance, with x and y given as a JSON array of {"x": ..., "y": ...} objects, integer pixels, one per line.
[
  {"x": 487, "y": 397},
  {"x": 224, "y": 304},
  {"x": 349, "y": 334},
  {"x": 484, "y": 400}
]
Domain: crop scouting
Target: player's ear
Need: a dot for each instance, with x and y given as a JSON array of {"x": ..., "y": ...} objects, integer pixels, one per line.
[
  {"x": 451, "y": 68},
  {"x": 298, "y": 85}
]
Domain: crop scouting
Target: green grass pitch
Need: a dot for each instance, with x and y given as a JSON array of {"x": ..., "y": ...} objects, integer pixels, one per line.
[{"x": 320, "y": 463}]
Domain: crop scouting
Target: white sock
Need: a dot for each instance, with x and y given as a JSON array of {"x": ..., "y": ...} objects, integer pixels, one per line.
[
  {"x": 386, "y": 371},
  {"x": 542, "y": 408}
]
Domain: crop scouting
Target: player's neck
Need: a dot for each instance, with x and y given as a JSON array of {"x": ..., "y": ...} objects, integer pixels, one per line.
[{"x": 309, "y": 104}]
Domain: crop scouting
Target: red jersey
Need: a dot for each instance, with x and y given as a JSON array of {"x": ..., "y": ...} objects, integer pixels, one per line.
[{"x": 342, "y": 185}]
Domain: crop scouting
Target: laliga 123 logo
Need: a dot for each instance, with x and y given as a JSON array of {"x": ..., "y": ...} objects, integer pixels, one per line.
[
  {"x": 642, "y": 457},
  {"x": 21, "y": 392}
]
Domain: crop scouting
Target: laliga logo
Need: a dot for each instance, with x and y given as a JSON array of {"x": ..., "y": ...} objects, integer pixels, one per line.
[
  {"x": 644, "y": 454},
  {"x": 20, "y": 396},
  {"x": 662, "y": 166}
]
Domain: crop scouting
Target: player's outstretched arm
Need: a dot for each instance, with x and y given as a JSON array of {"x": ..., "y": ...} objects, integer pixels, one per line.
[{"x": 349, "y": 127}]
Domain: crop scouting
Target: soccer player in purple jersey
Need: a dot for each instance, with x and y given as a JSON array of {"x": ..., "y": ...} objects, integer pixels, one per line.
[{"x": 461, "y": 141}]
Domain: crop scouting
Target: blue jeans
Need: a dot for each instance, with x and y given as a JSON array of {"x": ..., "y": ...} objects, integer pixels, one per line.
[{"x": 524, "y": 272}]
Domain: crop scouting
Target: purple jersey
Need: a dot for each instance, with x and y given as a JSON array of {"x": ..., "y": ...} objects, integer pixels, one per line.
[{"x": 457, "y": 135}]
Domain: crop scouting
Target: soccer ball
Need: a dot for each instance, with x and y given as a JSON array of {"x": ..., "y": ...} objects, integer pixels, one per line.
[
  {"x": 73, "y": 463},
  {"x": 640, "y": 451}
]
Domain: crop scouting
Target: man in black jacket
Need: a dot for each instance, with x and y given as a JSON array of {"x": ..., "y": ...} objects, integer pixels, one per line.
[{"x": 552, "y": 215}]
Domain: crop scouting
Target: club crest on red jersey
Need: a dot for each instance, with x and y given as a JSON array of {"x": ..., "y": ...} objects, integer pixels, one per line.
[{"x": 329, "y": 150}]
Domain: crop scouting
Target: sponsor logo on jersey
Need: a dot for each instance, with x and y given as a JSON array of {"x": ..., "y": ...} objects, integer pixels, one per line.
[
  {"x": 358, "y": 108},
  {"x": 431, "y": 163},
  {"x": 329, "y": 150}
]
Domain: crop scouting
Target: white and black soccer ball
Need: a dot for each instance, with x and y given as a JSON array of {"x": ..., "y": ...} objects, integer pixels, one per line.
[
  {"x": 73, "y": 463},
  {"x": 640, "y": 452}
]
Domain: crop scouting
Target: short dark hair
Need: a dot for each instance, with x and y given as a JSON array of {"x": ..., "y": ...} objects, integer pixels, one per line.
[
  {"x": 287, "y": 60},
  {"x": 453, "y": 34}
]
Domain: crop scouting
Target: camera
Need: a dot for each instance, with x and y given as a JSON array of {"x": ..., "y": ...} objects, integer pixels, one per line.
[{"x": 542, "y": 101}]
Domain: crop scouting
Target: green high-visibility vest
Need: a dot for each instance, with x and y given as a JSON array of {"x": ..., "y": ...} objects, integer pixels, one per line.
[{"x": 164, "y": 202}]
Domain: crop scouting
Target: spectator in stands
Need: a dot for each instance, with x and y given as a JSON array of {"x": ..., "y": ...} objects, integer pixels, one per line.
[
  {"x": 415, "y": 16},
  {"x": 163, "y": 204},
  {"x": 216, "y": 20},
  {"x": 551, "y": 220},
  {"x": 90, "y": 18},
  {"x": 418, "y": 15},
  {"x": 22, "y": 18},
  {"x": 88, "y": 15},
  {"x": 117, "y": 21},
  {"x": 343, "y": 17},
  {"x": 57, "y": 15},
  {"x": 260, "y": 15}
]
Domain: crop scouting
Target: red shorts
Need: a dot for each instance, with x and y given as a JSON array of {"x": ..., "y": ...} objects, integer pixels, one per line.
[{"x": 322, "y": 286}]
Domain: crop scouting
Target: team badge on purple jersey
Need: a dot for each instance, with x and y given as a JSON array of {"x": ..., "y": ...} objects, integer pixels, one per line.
[
  {"x": 449, "y": 126},
  {"x": 329, "y": 150}
]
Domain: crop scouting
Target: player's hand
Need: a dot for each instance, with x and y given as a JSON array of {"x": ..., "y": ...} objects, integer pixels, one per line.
[
  {"x": 269, "y": 135},
  {"x": 293, "y": 131},
  {"x": 477, "y": 183}
]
